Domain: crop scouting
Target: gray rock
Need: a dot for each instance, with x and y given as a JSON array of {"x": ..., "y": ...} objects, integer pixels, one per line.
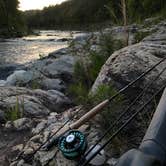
[
  {"x": 2, "y": 117},
  {"x": 19, "y": 124},
  {"x": 127, "y": 64},
  {"x": 44, "y": 157},
  {"x": 55, "y": 84},
  {"x": 62, "y": 67},
  {"x": 82, "y": 38},
  {"x": 2, "y": 83},
  {"x": 37, "y": 103},
  {"x": 158, "y": 38},
  {"x": 19, "y": 77},
  {"x": 39, "y": 127},
  {"x": 58, "y": 53},
  {"x": 151, "y": 20},
  {"x": 8, "y": 69},
  {"x": 112, "y": 162},
  {"x": 28, "y": 105},
  {"x": 53, "y": 100},
  {"x": 64, "y": 40}
]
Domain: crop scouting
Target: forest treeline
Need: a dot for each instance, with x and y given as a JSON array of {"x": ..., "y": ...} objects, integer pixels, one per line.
[
  {"x": 74, "y": 13},
  {"x": 12, "y": 22},
  {"x": 86, "y": 12}
]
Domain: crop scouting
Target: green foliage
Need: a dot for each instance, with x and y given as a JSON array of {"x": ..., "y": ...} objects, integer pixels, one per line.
[
  {"x": 140, "y": 9},
  {"x": 86, "y": 70},
  {"x": 15, "y": 112},
  {"x": 79, "y": 92},
  {"x": 35, "y": 84},
  {"x": 108, "y": 44},
  {"x": 140, "y": 36},
  {"x": 109, "y": 113},
  {"x": 69, "y": 13}
]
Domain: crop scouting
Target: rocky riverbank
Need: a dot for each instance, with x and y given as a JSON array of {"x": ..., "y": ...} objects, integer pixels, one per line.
[{"x": 34, "y": 98}]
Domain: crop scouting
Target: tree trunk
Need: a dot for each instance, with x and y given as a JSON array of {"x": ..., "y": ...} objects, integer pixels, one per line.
[{"x": 125, "y": 20}]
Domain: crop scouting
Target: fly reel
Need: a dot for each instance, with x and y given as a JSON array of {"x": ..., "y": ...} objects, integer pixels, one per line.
[{"x": 73, "y": 144}]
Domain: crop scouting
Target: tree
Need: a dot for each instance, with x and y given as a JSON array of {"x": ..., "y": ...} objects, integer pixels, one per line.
[{"x": 11, "y": 19}]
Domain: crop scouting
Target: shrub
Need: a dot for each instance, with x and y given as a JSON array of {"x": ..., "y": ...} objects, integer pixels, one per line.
[
  {"x": 140, "y": 36},
  {"x": 15, "y": 112},
  {"x": 108, "y": 44},
  {"x": 87, "y": 69},
  {"x": 108, "y": 114}
]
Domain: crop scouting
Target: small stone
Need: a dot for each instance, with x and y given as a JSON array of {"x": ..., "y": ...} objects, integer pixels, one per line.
[
  {"x": 28, "y": 151},
  {"x": 112, "y": 162},
  {"x": 36, "y": 138},
  {"x": 18, "y": 147},
  {"x": 22, "y": 124},
  {"x": 9, "y": 125},
  {"x": 39, "y": 127},
  {"x": 53, "y": 114}
]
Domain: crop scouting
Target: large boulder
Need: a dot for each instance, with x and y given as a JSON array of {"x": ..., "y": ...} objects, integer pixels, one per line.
[
  {"x": 37, "y": 103},
  {"x": 123, "y": 67},
  {"x": 53, "y": 73},
  {"x": 127, "y": 64}
]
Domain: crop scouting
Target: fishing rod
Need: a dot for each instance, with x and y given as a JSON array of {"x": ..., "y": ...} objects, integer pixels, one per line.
[
  {"x": 123, "y": 126},
  {"x": 42, "y": 146},
  {"x": 70, "y": 137},
  {"x": 146, "y": 87},
  {"x": 67, "y": 133},
  {"x": 152, "y": 150}
]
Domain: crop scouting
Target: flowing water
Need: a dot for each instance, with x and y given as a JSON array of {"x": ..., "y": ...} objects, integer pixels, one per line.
[{"x": 26, "y": 49}]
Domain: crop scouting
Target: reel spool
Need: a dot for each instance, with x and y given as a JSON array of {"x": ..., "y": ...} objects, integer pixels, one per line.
[{"x": 72, "y": 145}]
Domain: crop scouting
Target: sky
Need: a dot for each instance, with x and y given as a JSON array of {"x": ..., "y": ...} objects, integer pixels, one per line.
[{"x": 37, "y": 4}]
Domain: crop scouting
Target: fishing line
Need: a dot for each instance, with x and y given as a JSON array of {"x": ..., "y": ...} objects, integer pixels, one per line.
[
  {"x": 123, "y": 126},
  {"x": 124, "y": 113}
]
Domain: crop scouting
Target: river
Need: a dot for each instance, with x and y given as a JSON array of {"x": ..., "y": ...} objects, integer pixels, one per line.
[{"x": 26, "y": 49}]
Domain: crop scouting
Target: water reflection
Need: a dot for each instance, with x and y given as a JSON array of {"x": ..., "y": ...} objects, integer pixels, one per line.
[{"x": 27, "y": 49}]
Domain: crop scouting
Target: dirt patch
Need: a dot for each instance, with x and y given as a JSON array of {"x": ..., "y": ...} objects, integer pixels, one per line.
[{"x": 8, "y": 139}]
